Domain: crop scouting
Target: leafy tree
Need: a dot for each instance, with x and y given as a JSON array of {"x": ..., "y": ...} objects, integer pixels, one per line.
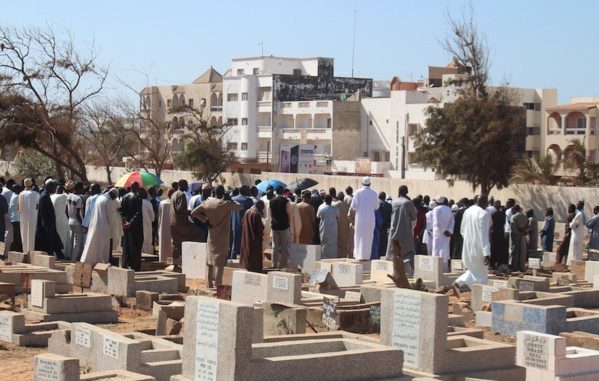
[
  {"x": 475, "y": 137},
  {"x": 536, "y": 171},
  {"x": 30, "y": 163},
  {"x": 575, "y": 158},
  {"x": 49, "y": 79},
  {"x": 203, "y": 150}
]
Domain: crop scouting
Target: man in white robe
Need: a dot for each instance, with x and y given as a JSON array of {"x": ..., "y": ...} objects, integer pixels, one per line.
[
  {"x": 103, "y": 226},
  {"x": 165, "y": 248},
  {"x": 427, "y": 236},
  {"x": 147, "y": 217},
  {"x": 476, "y": 249},
  {"x": 28, "y": 203},
  {"x": 443, "y": 222},
  {"x": 578, "y": 230},
  {"x": 59, "y": 201},
  {"x": 363, "y": 205}
]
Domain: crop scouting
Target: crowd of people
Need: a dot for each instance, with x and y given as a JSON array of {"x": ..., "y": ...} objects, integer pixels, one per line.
[{"x": 87, "y": 224}]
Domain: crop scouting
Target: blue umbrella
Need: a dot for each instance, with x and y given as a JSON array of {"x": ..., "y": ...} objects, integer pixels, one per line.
[{"x": 272, "y": 182}]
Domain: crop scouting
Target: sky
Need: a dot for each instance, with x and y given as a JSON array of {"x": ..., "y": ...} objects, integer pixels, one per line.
[{"x": 533, "y": 43}]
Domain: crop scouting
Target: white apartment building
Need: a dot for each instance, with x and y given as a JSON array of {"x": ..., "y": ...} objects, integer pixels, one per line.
[
  {"x": 271, "y": 103},
  {"x": 390, "y": 124}
]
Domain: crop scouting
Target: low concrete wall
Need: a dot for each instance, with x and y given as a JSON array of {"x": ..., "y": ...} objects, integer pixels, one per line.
[{"x": 537, "y": 197}]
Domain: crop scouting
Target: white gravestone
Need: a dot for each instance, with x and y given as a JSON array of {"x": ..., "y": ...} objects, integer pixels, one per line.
[
  {"x": 6, "y": 328},
  {"x": 83, "y": 337},
  {"x": 207, "y": 341},
  {"x": 534, "y": 263},
  {"x": 488, "y": 292},
  {"x": 536, "y": 353},
  {"x": 48, "y": 370},
  {"x": 111, "y": 348},
  {"x": 406, "y": 326},
  {"x": 500, "y": 283},
  {"x": 280, "y": 283},
  {"x": 426, "y": 263}
]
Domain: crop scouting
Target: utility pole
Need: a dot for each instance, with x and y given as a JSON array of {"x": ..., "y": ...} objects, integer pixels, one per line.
[{"x": 353, "y": 50}]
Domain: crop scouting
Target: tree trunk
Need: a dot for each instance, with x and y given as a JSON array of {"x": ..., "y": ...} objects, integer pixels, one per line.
[
  {"x": 399, "y": 271},
  {"x": 108, "y": 173}
]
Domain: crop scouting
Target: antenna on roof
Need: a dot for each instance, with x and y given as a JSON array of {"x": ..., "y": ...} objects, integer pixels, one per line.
[
  {"x": 353, "y": 49},
  {"x": 261, "y": 44}
]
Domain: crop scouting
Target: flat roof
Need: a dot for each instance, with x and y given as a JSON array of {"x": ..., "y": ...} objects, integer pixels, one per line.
[
  {"x": 574, "y": 106},
  {"x": 279, "y": 58}
]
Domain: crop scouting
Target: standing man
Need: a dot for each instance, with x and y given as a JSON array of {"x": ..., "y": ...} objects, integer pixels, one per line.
[
  {"x": 295, "y": 221},
  {"x": 165, "y": 248},
  {"x": 46, "y": 236},
  {"x": 103, "y": 228},
  {"x": 508, "y": 221},
  {"x": 13, "y": 206},
  {"x": 328, "y": 228},
  {"x": 8, "y": 229},
  {"x": 499, "y": 244},
  {"x": 147, "y": 213},
  {"x": 548, "y": 231},
  {"x": 593, "y": 224},
  {"x": 74, "y": 208},
  {"x": 251, "y": 238},
  {"x": 457, "y": 240},
  {"x": 280, "y": 212},
  {"x": 94, "y": 192},
  {"x": 59, "y": 201},
  {"x": 385, "y": 210},
  {"x": 244, "y": 199},
  {"x": 216, "y": 213},
  {"x": 578, "y": 229},
  {"x": 476, "y": 251},
  {"x": 181, "y": 228},
  {"x": 132, "y": 215},
  {"x": 343, "y": 233},
  {"x": 308, "y": 219},
  {"x": 443, "y": 223},
  {"x": 403, "y": 217},
  {"x": 363, "y": 205},
  {"x": 28, "y": 201},
  {"x": 519, "y": 223}
]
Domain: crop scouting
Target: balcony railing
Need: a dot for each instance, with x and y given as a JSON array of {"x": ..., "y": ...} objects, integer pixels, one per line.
[
  {"x": 575, "y": 131},
  {"x": 216, "y": 108}
]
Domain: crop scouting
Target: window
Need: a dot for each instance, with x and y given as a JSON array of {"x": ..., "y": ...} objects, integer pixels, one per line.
[
  {"x": 370, "y": 122},
  {"x": 239, "y": 71},
  {"x": 168, "y": 103},
  {"x": 244, "y": 121},
  {"x": 244, "y": 96},
  {"x": 232, "y": 121},
  {"x": 329, "y": 123},
  {"x": 532, "y": 106},
  {"x": 297, "y": 72},
  {"x": 387, "y": 156},
  {"x": 231, "y": 146},
  {"x": 533, "y": 131},
  {"x": 303, "y": 104},
  {"x": 581, "y": 123},
  {"x": 412, "y": 129},
  {"x": 244, "y": 146},
  {"x": 255, "y": 71},
  {"x": 376, "y": 156},
  {"x": 190, "y": 102},
  {"x": 232, "y": 97}
]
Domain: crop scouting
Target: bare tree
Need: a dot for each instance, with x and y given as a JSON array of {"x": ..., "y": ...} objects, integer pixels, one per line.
[
  {"x": 52, "y": 78},
  {"x": 107, "y": 140},
  {"x": 469, "y": 50}
]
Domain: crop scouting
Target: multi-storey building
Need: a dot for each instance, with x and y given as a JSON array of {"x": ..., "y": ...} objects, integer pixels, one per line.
[
  {"x": 273, "y": 104},
  {"x": 203, "y": 94},
  {"x": 391, "y": 123},
  {"x": 563, "y": 123}
]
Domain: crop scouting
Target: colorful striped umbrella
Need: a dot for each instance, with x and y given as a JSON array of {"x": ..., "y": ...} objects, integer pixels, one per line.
[{"x": 144, "y": 179}]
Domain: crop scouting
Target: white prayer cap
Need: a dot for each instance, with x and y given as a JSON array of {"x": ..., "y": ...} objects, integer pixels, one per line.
[
  {"x": 366, "y": 181},
  {"x": 114, "y": 191},
  {"x": 49, "y": 181},
  {"x": 441, "y": 199},
  {"x": 454, "y": 208},
  {"x": 432, "y": 205},
  {"x": 28, "y": 183}
]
